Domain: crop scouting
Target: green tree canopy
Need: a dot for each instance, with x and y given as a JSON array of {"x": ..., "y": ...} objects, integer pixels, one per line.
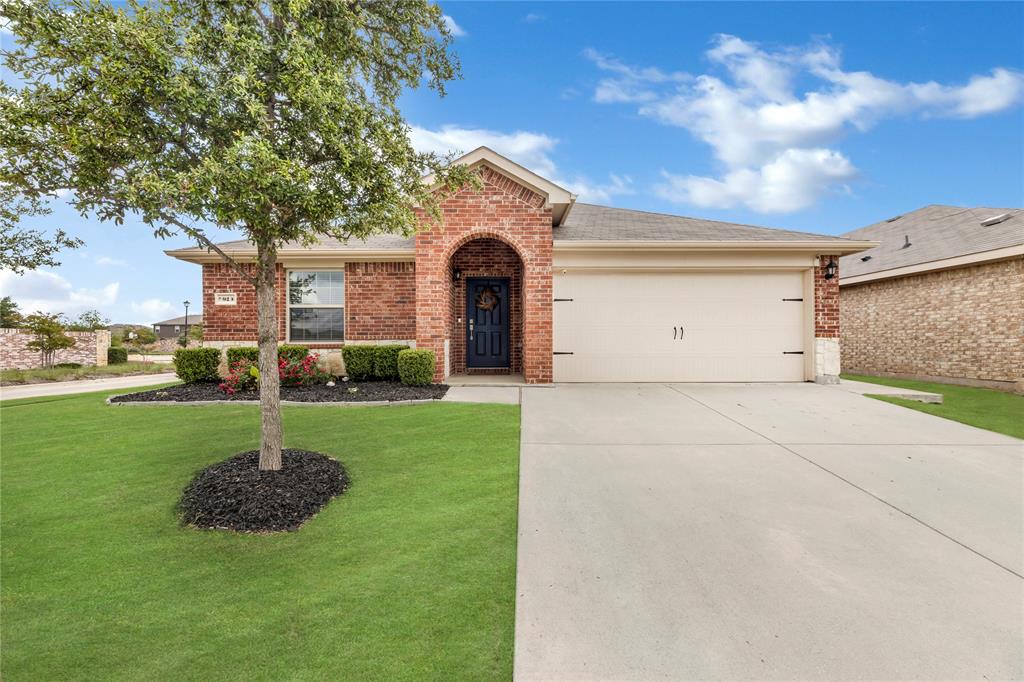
[
  {"x": 10, "y": 314},
  {"x": 278, "y": 119},
  {"x": 48, "y": 335}
]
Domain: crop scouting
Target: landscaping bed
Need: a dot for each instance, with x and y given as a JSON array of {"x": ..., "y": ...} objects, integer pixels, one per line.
[
  {"x": 236, "y": 495},
  {"x": 341, "y": 392}
]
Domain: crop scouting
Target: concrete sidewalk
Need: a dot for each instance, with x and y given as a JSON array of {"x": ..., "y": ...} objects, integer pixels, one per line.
[
  {"x": 865, "y": 388},
  {"x": 83, "y": 386}
]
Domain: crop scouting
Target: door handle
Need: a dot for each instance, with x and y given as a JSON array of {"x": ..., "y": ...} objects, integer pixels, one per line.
[
  {"x": 682, "y": 332},
  {"x": 675, "y": 330},
  {"x": 471, "y": 330}
]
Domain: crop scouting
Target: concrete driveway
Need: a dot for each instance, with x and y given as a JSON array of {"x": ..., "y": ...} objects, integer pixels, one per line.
[{"x": 763, "y": 531}]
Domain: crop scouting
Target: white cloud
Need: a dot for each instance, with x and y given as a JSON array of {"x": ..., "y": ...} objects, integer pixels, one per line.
[
  {"x": 628, "y": 84},
  {"x": 531, "y": 150},
  {"x": 771, "y": 138},
  {"x": 793, "y": 181},
  {"x": 108, "y": 262},
  {"x": 453, "y": 27},
  {"x": 526, "y": 148},
  {"x": 153, "y": 310},
  {"x": 50, "y": 293}
]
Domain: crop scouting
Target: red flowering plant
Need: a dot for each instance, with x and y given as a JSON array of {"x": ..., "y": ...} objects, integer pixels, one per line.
[
  {"x": 243, "y": 375},
  {"x": 304, "y": 372}
]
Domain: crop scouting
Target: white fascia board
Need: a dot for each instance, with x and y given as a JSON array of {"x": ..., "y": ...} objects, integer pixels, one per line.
[{"x": 812, "y": 246}]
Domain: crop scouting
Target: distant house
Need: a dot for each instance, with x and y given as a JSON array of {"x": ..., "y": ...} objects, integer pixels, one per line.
[
  {"x": 941, "y": 297},
  {"x": 175, "y": 327}
]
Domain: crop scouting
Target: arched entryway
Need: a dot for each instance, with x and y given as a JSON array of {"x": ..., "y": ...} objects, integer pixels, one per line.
[{"x": 485, "y": 315}]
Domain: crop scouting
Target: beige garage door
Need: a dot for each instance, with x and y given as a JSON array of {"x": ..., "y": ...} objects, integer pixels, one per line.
[{"x": 708, "y": 326}]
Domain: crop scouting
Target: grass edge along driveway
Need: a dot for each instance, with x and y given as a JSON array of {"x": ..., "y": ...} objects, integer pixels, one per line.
[
  {"x": 981, "y": 407},
  {"x": 409, "y": 575}
]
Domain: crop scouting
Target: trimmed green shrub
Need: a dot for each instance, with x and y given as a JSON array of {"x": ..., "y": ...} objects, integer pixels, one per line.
[
  {"x": 359, "y": 361},
  {"x": 385, "y": 360},
  {"x": 195, "y": 365},
  {"x": 117, "y": 356},
  {"x": 68, "y": 365},
  {"x": 250, "y": 353},
  {"x": 416, "y": 367},
  {"x": 292, "y": 352}
]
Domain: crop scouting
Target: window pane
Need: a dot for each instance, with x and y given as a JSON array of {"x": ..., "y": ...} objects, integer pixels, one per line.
[
  {"x": 317, "y": 324},
  {"x": 316, "y": 288}
]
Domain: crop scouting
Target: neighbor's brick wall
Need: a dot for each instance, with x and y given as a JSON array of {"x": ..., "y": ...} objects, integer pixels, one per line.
[
  {"x": 826, "y": 301},
  {"x": 380, "y": 301},
  {"x": 236, "y": 322},
  {"x": 966, "y": 323},
  {"x": 504, "y": 210},
  {"x": 485, "y": 258},
  {"x": 90, "y": 349}
]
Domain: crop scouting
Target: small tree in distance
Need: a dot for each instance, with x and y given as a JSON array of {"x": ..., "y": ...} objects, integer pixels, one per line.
[
  {"x": 48, "y": 336},
  {"x": 10, "y": 314},
  {"x": 275, "y": 118}
]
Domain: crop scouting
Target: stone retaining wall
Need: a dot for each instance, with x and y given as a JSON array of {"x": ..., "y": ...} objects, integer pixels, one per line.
[{"x": 90, "y": 349}]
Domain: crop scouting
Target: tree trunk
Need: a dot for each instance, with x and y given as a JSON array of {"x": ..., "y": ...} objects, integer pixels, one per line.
[{"x": 270, "y": 381}]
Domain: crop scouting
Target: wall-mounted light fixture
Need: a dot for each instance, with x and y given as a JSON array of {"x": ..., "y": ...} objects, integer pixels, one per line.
[
  {"x": 831, "y": 269},
  {"x": 456, "y": 275}
]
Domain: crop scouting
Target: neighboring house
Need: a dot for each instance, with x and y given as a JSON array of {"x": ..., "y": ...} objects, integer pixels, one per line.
[
  {"x": 175, "y": 327},
  {"x": 521, "y": 279},
  {"x": 941, "y": 297}
]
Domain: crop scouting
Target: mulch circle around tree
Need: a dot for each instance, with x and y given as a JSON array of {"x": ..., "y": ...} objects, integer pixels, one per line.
[
  {"x": 236, "y": 495},
  {"x": 342, "y": 392}
]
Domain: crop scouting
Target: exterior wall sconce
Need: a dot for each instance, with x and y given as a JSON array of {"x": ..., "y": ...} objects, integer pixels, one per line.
[
  {"x": 830, "y": 269},
  {"x": 456, "y": 275}
]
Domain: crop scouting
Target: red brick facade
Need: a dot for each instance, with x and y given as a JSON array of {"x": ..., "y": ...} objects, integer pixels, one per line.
[
  {"x": 502, "y": 210},
  {"x": 235, "y": 322},
  {"x": 826, "y": 301},
  {"x": 380, "y": 301}
]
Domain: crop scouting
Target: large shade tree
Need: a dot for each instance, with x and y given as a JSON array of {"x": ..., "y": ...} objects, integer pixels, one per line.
[{"x": 278, "y": 119}]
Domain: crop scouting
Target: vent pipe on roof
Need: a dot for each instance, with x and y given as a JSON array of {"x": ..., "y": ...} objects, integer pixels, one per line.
[
  {"x": 995, "y": 220},
  {"x": 865, "y": 259},
  {"x": 906, "y": 241},
  {"x": 893, "y": 219}
]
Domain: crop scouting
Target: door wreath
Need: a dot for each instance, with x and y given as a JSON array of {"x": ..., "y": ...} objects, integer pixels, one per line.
[{"x": 487, "y": 299}]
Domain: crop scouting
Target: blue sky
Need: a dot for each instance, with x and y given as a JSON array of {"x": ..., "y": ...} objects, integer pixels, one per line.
[{"x": 819, "y": 117}]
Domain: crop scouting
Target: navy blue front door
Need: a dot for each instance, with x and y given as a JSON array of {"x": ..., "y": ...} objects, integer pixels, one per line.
[{"x": 487, "y": 323}]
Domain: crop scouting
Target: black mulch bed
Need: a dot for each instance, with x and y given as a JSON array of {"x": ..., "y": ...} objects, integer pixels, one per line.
[
  {"x": 364, "y": 391},
  {"x": 236, "y": 495}
]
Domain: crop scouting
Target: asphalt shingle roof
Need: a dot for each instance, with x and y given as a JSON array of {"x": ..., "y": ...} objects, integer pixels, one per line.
[
  {"x": 935, "y": 232},
  {"x": 597, "y": 223},
  {"x": 193, "y": 318},
  {"x": 604, "y": 223}
]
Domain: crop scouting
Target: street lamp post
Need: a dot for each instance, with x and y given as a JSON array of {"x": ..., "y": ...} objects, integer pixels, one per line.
[{"x": 187, "y": 304}]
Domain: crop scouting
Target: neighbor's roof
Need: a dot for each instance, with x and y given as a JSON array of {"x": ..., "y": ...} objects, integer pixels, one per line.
[
  {"x": 935, "y": 233},
  {"x": 193, "y": 318},
  {"x": 588, "y": 222}
]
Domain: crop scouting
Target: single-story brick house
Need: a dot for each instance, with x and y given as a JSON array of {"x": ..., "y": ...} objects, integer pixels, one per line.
[
  {"x": 522, "y": 279},
  {"x": 940, "y": 298}
]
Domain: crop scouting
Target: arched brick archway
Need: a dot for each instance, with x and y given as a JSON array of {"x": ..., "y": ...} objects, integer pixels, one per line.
[
  {"x": 485, "y": 257},
  {"x": 499, "y": 221}
]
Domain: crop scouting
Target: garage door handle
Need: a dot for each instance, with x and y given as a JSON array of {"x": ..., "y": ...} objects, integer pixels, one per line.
[
  {"x": 675, "y": 330},
  {"x": 682, "y": 332}
]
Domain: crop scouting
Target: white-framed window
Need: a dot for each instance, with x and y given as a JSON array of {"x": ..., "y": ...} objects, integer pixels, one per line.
[
  {"x": 156, "y": 327},
  {"x": 316, "y": 305}
]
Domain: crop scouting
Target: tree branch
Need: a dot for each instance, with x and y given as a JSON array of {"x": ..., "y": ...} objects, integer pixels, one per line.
[{"x": 198, "y": 235}]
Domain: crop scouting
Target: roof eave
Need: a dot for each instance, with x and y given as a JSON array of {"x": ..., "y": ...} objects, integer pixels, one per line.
[
  {"x": 203, "y": 256},
  {"x": 809, "y": 246}
]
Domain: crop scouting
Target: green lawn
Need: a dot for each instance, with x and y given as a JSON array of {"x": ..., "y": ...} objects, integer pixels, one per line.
[
  {"x": 981, "y": 407},
  {"x": 36, "y": 376},
  {"x": 409, "y": 575}
]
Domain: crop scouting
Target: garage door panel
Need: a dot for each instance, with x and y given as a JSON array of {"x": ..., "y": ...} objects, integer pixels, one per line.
[{"x": 678, "y": 327}]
